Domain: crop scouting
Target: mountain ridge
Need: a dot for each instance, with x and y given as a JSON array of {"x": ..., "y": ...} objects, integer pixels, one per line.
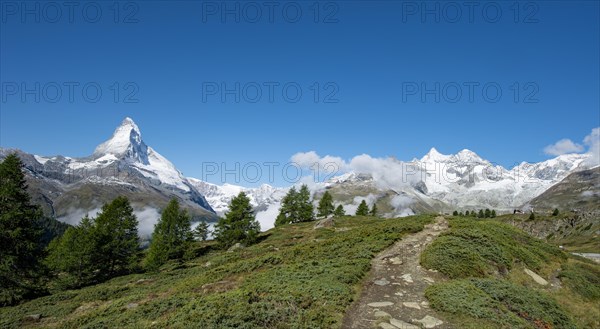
[{"x": 124, "y": 164}]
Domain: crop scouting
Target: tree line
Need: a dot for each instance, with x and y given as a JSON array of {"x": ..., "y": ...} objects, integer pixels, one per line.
[
  {"x": 487, "y": 213},
  {"x": 297, "y": 207}
]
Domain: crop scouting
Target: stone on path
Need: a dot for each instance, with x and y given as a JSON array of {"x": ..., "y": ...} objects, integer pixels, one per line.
[
  {"x": 395, "y": 261},
  {"x": 381, "y": 282},
  {"x": 412, "y": 305},
  {"x": 403, "y": 325},
  {"x": 429, "y": 321},
  {"x": 536, "y": 277},
  {"x": 380, "y": 304},
  {"x": 407, "y": 278},
  {"x": 382, "y": 314},
  {"x": 428, "y": 280},
  {"x": 384, "y": 325}
]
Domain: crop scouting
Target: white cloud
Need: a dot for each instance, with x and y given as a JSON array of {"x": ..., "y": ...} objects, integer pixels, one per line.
[
  {"x": 147, "y": 218},
  {"x": 401, "y": 205},
  {"x": 588, "y": 194},
  {"x": 266, "y": 218},
  {"x": 387, "y": 173},
  {"x": 328, "y": 165},
  {"x": 593, "y": 142},
  {"x": 75, "y": 215},
  {"x": 563, "y": 146}
]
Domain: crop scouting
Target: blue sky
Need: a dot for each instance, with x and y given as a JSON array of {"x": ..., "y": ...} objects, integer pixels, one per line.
[{"x": 365, "y": 58}]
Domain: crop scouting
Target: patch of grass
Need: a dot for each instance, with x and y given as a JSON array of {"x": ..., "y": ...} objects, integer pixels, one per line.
[
  {"x": 582, "y": 278},
  {"x": 485, "y": 247},
  {"x": 500, "y": 302},
  {"x": 485, "y": 260},
  {"x": 296, "y": 277}
]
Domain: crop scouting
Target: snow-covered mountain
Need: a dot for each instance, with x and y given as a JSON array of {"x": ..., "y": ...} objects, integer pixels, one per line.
[
  {"x": 124, "y": 165},
  {"x": 219, "y": 196},
  {"x": 465, "y": 180}
]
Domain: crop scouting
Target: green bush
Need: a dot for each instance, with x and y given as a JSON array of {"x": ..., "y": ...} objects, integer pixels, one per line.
[
  {"x": 481, "y": 248},
  {"x": 582, "y": 278},
  {"x": 505, "y": 304}
]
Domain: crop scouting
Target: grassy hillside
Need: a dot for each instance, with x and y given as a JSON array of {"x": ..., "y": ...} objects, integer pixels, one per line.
[
  {"x": 485, "y": 261},
  {"x": 296, "y": 277},
  {"x": 577, "y": 232}
]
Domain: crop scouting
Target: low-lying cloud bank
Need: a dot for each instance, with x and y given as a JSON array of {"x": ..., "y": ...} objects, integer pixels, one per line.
[{"x": 147, "y": 217}]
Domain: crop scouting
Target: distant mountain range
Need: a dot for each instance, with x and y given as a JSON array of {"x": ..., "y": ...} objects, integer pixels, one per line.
[{"x": 68, "y": 188}]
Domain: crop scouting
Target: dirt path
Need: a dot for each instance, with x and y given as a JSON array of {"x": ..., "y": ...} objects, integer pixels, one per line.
[{"x": 393, "y": 296}]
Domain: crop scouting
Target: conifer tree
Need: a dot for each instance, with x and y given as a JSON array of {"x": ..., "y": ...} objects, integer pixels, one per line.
[
  {"x": 287, "y": 211},
  {"x": 20, "y": 268},
  {"x": 467, "y": 213},
  {"x": 305, "y": 206},
  {"x": 373, "y": 211},
  {"x": 239, "y": 224},
  {"x": 555, "y": 212},
  {"x": 493, "y": 214},
  {"x": 487, "y": 213},
  {"x": 455, "y": 213},
  {"x": 325, "y": 205},
  {"x": 339, "y": 211},
  {"x": 363, "y": 209},
  {"x": 296, "y": 207},
  {"x": 171, "y": 236},
  {"x": 73, "y": 256},
  {"x": 480, "y": 214},
  {"x": 202, "y": 230},
  {"x": 117, "y": 236}
]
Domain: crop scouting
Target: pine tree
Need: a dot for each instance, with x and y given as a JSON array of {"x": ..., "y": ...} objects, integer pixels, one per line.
[
  {"x": 487, "y": 213},
  {"x": 202, "y": 230},
  {"x": 287, "y": 211},
  {"x": 117, "y": 236},
  {"x": 455, "y": 213},
  {"x": 461, "y": 214},
  {"x": 363, "y": 209},
  {"x": 171, "y": 236},
  {"x": 296, "y": 207},
  {"x": 325, "y": 205},
  {"x": 555, "y": 212},
  {"x": 239, "y": 224},
  {"x": 73, "y": 256},
  {"x": 473, "y": 213},
  {"x": 493, "y": 215},
  {"x": 20, "y": 267},
  {"x": 532, "y": 216},
  {"x": 373, "y": 211},
  {"x": 305, "y": 206},
  {"x": 480, "y": 214},
  {"x": 467, "y": 213},
  {"x": 339, "y": 211}
]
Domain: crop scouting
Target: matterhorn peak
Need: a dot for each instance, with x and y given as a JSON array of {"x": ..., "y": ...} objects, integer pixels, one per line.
[{"x": 126, "y": 142}]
